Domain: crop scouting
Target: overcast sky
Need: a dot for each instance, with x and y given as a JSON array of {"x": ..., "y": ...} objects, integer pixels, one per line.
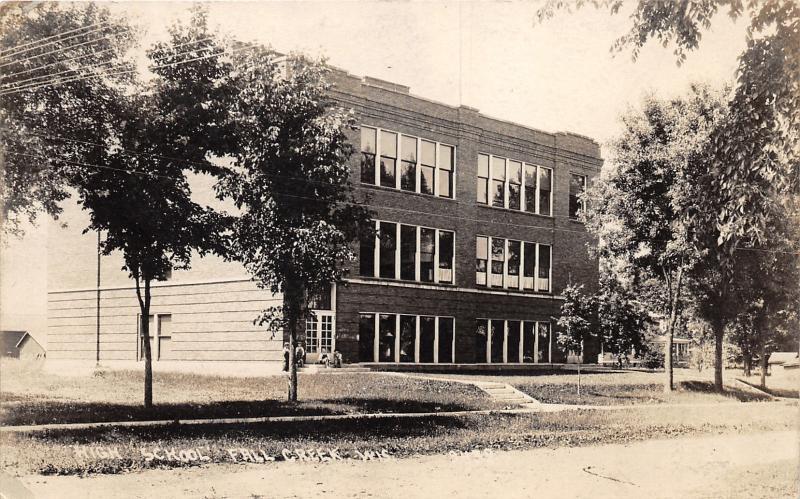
[{"x": 555, "y": 76}]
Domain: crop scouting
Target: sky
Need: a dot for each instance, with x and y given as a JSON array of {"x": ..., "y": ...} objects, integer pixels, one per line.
[{"x": 559, "y": 75}]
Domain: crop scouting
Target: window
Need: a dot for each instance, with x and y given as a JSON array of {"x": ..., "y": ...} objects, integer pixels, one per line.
[
  {"x": 386, "y": 338},
  {"x": 446, "y": 257},
  {"x": 481, "y": 259},
  {"x": 481, "y": 340},
  {"x": 366, "y": 338},
  {"x": 427, "y": 250},
  {"x": 319, "y": 334},
  {"x": 368, "y": 150},
  {"x": 514, "y": 258},
  {"x": 312, "y": 336},
  {"x": 446, "y": 171},
  {"x": 326, "y": 334},
  {"x": 388, "y": 245},
  {"x": 543, "y": 282},
  {"x": 388, "y": 159},
  {"x": 498, "y": 182},
  {"x": 498, "y": 261},
  {"x": 160, "y": 330},
  {"x": 483, "y": 179},
  {"x": 543, "y": 342},
  {"x": 428, "y": 171},
  {"x": 545, "y": 187},
  {"x": 514, "y": 185},
  {"x": 321, "y": 300},
  {"x": 408, "y": 252},
  {"x": 528, "y": 341},
  {"x": 408, "y": 337},
  {"x": 408, "y": 164},
  {"x": 512, "y": 341},
  {"x": 405, "y": 338},
  {"x": 513, "y": 264},
  {"x": 496, "y": 340},
  {"x": 530, "y": 189},
  {"x": 366, "y": 254},
  {"x": 577, "y": 186}
]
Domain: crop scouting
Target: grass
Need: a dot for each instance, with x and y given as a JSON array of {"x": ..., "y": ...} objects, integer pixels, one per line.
[
  {"x": 35, "y": 397},
  {"x": 621, "y": 388},
  {"x": 52, "y": 452},
  {"x": 780, "y": 383}
]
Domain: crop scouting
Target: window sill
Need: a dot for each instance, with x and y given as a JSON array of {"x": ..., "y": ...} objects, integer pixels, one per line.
[
  {"x": 515, "y": 290},
  {"x": 401, "y": 191},
  {"x": 405, "y": 281},
  {"x": 510, "y": 210}
]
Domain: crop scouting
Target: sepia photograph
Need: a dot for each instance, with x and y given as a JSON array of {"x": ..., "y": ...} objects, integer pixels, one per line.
[{"x": 400, "y": 249}]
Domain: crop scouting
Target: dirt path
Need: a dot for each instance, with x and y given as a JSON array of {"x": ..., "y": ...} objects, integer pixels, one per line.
[{"x": 756, "y": 465}]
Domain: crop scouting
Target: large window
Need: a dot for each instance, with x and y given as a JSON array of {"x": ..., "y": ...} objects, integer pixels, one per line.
[
  {"x": 160, "y": 330},
  {"x": 409, "y": 252},
  {"x": 406, "y": 338},
  {"x": 513, "y": 264},
  {"x": 577, "y": 186},
  {"x": 512, "y": 341},
  {"x": 407, "y": 163},
  {"x": 507, "y": 183}
]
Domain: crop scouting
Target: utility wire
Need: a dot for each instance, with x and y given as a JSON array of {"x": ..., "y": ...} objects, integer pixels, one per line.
[
  {"x": 16, "y": 50},
  {"x": 62, "y": 49}
]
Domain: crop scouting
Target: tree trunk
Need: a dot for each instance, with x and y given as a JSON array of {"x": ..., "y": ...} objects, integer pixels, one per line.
[
  {"x": 674, "y": 303},
  {"x": 292, "y": 360},
  {"x": 719, "y": 330},
  {"x": 763, "y": 364},
  {"x": 294, "y": 297},
  {"x": 579, "y": 378},
  {"x": 144, "y": 307},
  {"x": 747, "y": 360}
]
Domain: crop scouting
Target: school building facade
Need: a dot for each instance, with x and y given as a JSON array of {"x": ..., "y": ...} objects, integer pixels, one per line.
[{"x": 477, "y": 237}]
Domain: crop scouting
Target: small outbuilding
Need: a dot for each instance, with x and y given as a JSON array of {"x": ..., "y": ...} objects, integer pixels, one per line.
[{"x": 20, "y": 345}]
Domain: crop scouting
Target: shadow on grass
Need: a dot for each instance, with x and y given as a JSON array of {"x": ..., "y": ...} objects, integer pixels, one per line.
[
  {"x": 775, "y": 392},
  {"x": 731, "y": 392},
  {"x": 60, "y": 411}
]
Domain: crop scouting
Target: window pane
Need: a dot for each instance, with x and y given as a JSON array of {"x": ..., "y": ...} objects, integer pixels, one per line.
[
  {"x": 528, "y": 341},
  {"x": 321, "y": 300},
  {"x": 427, "y": 246},
  {"x": 312, "y": 338},
  {"x": 326, "y": 334},
  {"x": 408, "y": 176},
  {"x": 498, "y": 259},
  {"x": 408, "y": 252},
  {"x": 445, "y": 257},
  {"x": 388, "y": 245},
  {"x": 483, "y": 191},
  {"x": 445, "y": 157},
  {"x": 388, "y": 172},
  {"x": 497, "y": 341},
  {"x": 577, "y": 184},
  {"x": 408, "y": 148},
  {"x": 427, "y": 174},
  {"x": 514, "y": 195},
  {"x": 515, "y": 172},
  {"x": 408, "y": 337},
  {"x": 386, "y": 335},
  {"x": 480, "y": 341},
  {"x": 481, "y": 259},
  {"x": 530, "y": 189},
  {"x": 445, "y": 183},
  {"x": 368, "y": 168},
  {"x": 513, "y": 341},
  {"x": 388, "y": 144},
  {"x": 545, "y": 186},
  {"x": 428, "y": 153},
  {"x": 498, "y": 168},
  {"x": 529, "y": 266},
  {"x": 543, "y": 282},
  {"x": 368, "y": 140},
  {"x": 366, "y": 338},
  {"x": 514, "y": 256},
  {"x": 483, "y": 165},
  {"x": 544, "y": 342},
  {"x": 427, "y": 334},
  {"x": 366, "y": 252},
  {"x": 445, "y": 340},
  {"x": 498, "y": 196}
]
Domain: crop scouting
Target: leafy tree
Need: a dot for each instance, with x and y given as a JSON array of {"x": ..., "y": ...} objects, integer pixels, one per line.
[
  {"x": 643, "y": 211},
  {"x": 290, "y": 180},
  {"x": 622, "y": 320},
  {"x": 577, "y": 322},
  {"x": 69, "y": 45},
  {"x": 753, "y": 155}
]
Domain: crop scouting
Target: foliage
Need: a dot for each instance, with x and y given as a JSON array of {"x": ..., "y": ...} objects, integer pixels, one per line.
[
  {"x": 622, "y": 318},
  {"x": 578, "y": 320},
  {"x": 653, "y": 359},
  {"x": 35, "y": 165}
]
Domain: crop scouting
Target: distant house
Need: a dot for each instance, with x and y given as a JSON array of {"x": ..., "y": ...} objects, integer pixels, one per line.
[
  {"x": 788, "y": 360},
  {"x": 20, "y": 345}
]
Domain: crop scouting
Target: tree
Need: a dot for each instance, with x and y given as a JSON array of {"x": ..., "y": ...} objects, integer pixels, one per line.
[
  {"x": 290, "y": 180},
  {"x": 643, "y": 208},
  {"x": 51, "y": 55},
  {"x": 577, "y": 322},
  {"x": 753, "y": 155},
  {"x": 622, "y": 320}
]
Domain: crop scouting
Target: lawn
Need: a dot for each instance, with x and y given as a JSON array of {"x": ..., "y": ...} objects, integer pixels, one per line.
[
  {"x": 621, "y": 388},
  {"x": 30, "y": 396},
  {"x": 780, "y": 382},
  {"x": 53, "y": 452}
]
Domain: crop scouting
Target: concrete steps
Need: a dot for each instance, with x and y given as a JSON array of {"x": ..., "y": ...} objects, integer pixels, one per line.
[{"x": 506, "y": 394}]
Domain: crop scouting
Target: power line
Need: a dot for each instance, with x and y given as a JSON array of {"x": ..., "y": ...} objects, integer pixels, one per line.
[
  {"x": 91, "y": 165},
  {"x": 62, "y": 49},
  {"x": 15, "y": 50}
]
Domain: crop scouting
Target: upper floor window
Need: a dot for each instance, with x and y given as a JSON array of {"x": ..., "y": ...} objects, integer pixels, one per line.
[
  {"x": 510, "y": 264},
  {"x": 408, "y": 252},
  {"x": 506, "y": 183},
  {"x": 407, "y": 163},
  {"x": 577, "y": 186}
]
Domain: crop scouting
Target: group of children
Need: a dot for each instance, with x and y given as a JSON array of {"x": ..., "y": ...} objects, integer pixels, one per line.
[{"x": 300, "y": 357}]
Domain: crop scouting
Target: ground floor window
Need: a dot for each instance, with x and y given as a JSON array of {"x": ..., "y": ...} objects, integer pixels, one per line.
[
  {"x": 406, "y": 338},
  {"x": 500, "y": 341},
  {"x": 160, "y": 336},
  {"x": 319, "y": 333}
]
